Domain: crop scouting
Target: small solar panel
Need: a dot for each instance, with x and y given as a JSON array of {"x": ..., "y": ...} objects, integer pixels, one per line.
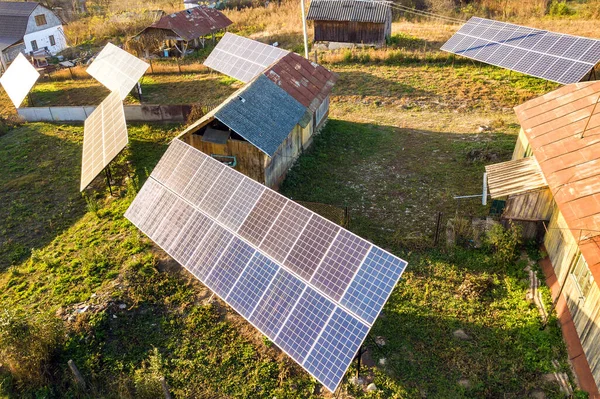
[
  {"x": 242, "y": 58},
  {"x": 18, "y": 79},
  {"x": 117, "y": 69},
  {"x": 310, "y": 286},
  {"x": 566, "y": 59},
  {"x": 104, "y": 136}
]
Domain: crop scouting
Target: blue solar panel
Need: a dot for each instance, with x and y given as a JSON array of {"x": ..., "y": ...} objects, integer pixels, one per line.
[
  {"x": 252, "y": 283},
  {"x": 304, "y": 325},
  {"x": 518, "y": 48},
  {"x": 230, "y": 266},
  {"x": 277, "y": 302},
  {"x": 311, "y": 287},
  {"x": 336, "y": 347},
  {"x": 374, "y": 281}
]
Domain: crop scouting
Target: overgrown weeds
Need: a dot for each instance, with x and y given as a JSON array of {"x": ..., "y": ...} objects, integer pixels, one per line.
[{"x": 28, "y": 344}]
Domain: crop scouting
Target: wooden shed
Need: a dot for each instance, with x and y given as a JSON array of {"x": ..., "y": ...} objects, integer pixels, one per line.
[
  {"x": 262, "y": 128},
  {"x": 554, "y": 180},
  {"x": 351, "y": 21},
  {"x": 179, "y": 31}
]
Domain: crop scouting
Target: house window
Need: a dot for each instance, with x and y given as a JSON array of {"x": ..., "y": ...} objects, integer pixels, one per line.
[
  {"x": 40, "y": 20},
  {"x": 34, "y": 45},
  {"x": 582, "y": 276},
  {"x": 52, "y": 41}
]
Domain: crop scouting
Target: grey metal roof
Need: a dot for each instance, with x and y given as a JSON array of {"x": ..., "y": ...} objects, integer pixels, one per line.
[
  {"x": 13, "y": 21},
  {"x": 349, "y": 10},
  {"x": 262, "y": 113}
]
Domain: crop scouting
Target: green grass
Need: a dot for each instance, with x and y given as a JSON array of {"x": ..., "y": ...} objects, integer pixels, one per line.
[{"x": 401, "y": 143}]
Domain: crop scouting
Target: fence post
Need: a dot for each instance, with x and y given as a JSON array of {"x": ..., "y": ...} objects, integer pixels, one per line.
[
  {"x": 77, "y": 374},
  {"x": 151, "y": 67},
  {"x": 438, "y": 226},
  {"x": 178, "y": 65}
]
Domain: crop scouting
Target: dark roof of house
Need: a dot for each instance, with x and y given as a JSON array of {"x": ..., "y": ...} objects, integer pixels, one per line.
[
  {"x": 13, "y": 21},
  {"x": 307, "y": 82},
  {"x": 349, "y": 10},
  {"x": 261, "y": 113},
  {"x": 193, "y": 23}
]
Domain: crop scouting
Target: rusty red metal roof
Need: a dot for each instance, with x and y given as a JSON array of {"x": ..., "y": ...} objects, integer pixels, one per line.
[
  {"x": 563, "y": 130},
  {"x": 193, "y": 23},
  {"x": 307, "y": 82}
]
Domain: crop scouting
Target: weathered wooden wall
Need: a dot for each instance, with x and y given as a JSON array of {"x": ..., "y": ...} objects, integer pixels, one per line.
[
  {"x": 298, "y": 140},
  {"x": 350, "y": 32},
  {"x": 563, "y": 251},
  {"x": 528, "y": 210},
  {"x": 250, "y": 160},
  {"x": 522, "y": 148}
]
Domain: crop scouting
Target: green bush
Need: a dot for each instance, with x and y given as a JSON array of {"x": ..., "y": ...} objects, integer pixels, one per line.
[
  {"x": 503, "y": 243},
  {"x": 559, "y": 9},
  {"x": 28, "y": 344}
]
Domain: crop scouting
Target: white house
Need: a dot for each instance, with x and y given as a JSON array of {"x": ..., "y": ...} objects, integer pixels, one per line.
[{"x": 29, "y": 27}]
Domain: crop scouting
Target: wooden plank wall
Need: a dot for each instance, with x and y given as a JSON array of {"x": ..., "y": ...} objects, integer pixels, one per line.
[
  {"x": 562, "y": 249},
  {"x": 286, "y": 155},
  {"x": 350, "y": 32},
  {"x": 250, "y": 160}
]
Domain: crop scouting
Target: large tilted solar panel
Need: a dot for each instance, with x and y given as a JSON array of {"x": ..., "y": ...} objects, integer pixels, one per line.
[
  {"x": 117, "y": 69},
  {"x": 553, "y": 56},
  {"x": 18, "y": 79},
  {"x": 104, "y": 136},
  {"x": 242, "y": 58},
  {"x": 311, "y": 287}
]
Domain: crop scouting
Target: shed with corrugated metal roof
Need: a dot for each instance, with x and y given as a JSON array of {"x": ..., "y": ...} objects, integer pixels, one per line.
[{"x": 351, "y": 21}]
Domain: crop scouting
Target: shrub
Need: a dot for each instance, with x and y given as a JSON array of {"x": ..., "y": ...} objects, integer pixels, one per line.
[
  {"x": 559, "y": 9},
  {"x": 503, "y": 243},
  {"x": 147, "y": 380},
  {"x": 28, "y": 343}
]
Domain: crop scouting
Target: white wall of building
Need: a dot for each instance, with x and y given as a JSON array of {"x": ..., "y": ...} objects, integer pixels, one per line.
[
  {"x": 42, "y": 39},
  {"x": 190, "y": 5}
]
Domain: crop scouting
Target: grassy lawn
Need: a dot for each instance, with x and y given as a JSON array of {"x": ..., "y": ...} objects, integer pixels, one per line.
[{"x": 403, "y": 139}]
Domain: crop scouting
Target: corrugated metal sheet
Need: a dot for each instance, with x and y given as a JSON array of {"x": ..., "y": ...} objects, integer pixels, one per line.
[
  {"x": 263, "y": 114},
  {"x": 13, "y": 22},
  {"x": 515, "y": 177},
  {"x": 349, "y": 10},
  {"x": 193, "y": 23},
  {"x": 554, "y": 125},
  {"x": 307, "y": 82}
]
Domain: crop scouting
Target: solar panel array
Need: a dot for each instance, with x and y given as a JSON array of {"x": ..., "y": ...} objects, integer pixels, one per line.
[
  {"x": 310, "y": 286},
  {"x": 104, "y": 136},
  {"x": 553, "y": 56},
  {"x": 18, "y": 79},
  {"x": 242, "y": 58},
  {"x": 117, "y": 69}
]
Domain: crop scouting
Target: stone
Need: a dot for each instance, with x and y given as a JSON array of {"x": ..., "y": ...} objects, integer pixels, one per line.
[
  {"x": 122, "y": 306},
  {"x": 382, "y": 361},
  {"x": 538, "y": 394},
  {"x": 461, "y": 334},
  {"x": 550, "y": 377},
  {"x": 465, "y": 383},
  {"x": 371, "y": 387},
  {"x": 357, "y": 381},
  {"x": 380, "y": 341}
]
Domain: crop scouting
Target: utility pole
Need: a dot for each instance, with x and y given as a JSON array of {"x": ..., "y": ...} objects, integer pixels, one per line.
[{"x": 304, "y": 29}]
